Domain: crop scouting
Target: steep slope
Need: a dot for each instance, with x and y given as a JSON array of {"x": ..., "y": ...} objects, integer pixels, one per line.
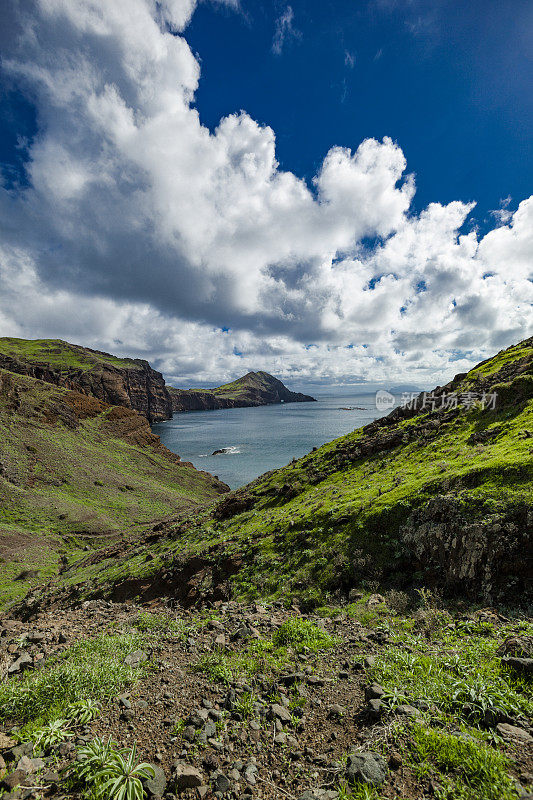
[
  {"x": 76, "y": 473},
  {"x": 253, "y": 389},
  {"x": 127, "y": 382},
  {"x": 437, "y": 495}
]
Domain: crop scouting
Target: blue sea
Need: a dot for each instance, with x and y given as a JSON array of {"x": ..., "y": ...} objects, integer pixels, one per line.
[{"x": 263, "y": 438}]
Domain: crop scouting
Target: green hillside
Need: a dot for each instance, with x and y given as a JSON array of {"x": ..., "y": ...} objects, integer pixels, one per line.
[
  {"x": 76, "y": 473},
  {"x": 252, "y": 389},
  {"x": 60, "y": 355},
  {"x": 258, "y": 381},
  {"x": 441, "y": 497}
]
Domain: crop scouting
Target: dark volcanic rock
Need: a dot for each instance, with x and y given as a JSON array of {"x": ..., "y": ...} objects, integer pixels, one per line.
[
  {"x": 366, "y": 767},
  {"x": 488, "y": 558}
]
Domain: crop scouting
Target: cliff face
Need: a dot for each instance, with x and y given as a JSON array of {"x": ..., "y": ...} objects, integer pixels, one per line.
[
  {"x": 253, "y": 389},
  {"x": 198, "y": 400},
  {"x": 130, "y": 383}
]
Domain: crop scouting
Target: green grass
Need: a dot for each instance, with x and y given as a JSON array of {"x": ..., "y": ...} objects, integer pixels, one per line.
[
  {"x": 147, "y": 622},
  {"x": 336, "y": 518},
  {"x": 89, "y": 669},
  {"x": 60, "y": 354},
  {"x": 503, "y": 359},
  {"x": 468, "y": 768},
  {"x": 265, "y": 655},
  {"x": 67, "y": 484},
  {"x": 302, "y": 634},
  {"x": 457, "y": 672},
  {"x": 109, "y": 772},
  {"x": 359, "y": 792}
]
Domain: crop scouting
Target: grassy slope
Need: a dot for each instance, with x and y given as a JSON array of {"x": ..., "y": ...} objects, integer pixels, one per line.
[
  {"x": 59, "y": 354},
  {"x": 239, "y": 387},
  {"x": 243, "y": 389},
  {"x": 332, "y": 519},
  {"x": 74, "y": 472}
]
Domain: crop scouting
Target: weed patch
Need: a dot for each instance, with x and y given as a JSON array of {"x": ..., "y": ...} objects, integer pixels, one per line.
[
  {"x": 90, "y": 669},
  {"x": 263, "y": 655},
  {"x": 468, "y": 768}
]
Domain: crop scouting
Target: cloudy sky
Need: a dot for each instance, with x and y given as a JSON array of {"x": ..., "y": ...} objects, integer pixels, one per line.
[{"x": 328, "y": 191}]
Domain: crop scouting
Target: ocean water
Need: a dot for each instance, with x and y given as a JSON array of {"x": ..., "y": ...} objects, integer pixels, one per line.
[{"x": 263, "y": 438}]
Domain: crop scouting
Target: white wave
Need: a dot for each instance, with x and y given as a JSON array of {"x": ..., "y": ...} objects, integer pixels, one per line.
[{"x": 231, "y": 450}]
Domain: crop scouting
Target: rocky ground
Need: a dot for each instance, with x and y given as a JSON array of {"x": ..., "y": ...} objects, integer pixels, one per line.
[{"x": 261, "y": 701}]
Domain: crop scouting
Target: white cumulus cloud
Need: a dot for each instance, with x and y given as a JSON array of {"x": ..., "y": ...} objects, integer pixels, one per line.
[{"x": 141, "y": 231}]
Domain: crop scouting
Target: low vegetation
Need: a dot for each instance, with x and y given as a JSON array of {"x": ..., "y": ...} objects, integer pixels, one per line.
[
  {"x": 90, "y": 670},
  {"x": 361, "y": 602},
  {"x": 76, "y": 475},
  {"x": 466, "y": 767},
  {"x": 367, "y": 509},
  {"x": 107, "y": 771},
  {"x": 266, "y": 655}
]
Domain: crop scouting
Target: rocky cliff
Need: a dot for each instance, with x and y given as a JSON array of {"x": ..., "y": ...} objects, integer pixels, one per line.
[
  {"x": 131, "y": 383},
  {"x": 198, "y": 400},
  {"x": 253, "y": 389}
]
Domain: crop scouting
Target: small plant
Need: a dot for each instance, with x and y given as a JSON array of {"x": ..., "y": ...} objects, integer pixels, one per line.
[
  {"x": 121, "y": 776},
  {"x": 110, "y": 773},
  {"x": 360, "y": 791},
  {"x": 83, "y": 712},
  {"x": 245, "y": 705},
  {"x": 476, "y": 698},
  {"x": 469, "y": 770},
  {"x": 428, "y": 598},
  {"x": 90, "y": 668},
  {"x": 397, "y": 601},
  {"x": 54, "y": 733},
  {"x": 179, "y": 727},
  {"x": 394, "y": 698},
  {"x": 158, "y": 623},
  {"x": 91, "y": 758}
]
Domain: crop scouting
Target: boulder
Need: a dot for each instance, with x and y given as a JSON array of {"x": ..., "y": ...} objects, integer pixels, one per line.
[
  {"x": 222, "y": 783},
  {"x": 156, "y": 785},
  {"x": 6, "y": 742},
  {"x": 524, "y": 665},
  {"x": 186, "y": 777},
  {"x": 22, "y": 663},
  {"x": 13, "y": 780},
  {"x": 374, "y": 692},
  {"x": 367, "y": 767},
  {"x": 512, "y": 732},
  {"x": 280, "y": 712},
  {"x": 336, "y": 711},
  {"x": 375, "y": 708},
  {"x": 20, "y": 750},
  {"x": 136, "y": 658}
]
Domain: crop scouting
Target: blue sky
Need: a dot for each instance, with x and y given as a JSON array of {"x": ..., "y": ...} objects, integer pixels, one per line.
[
  {"x": 450, "y": 81},
  {"x": 333, "y": 191}
]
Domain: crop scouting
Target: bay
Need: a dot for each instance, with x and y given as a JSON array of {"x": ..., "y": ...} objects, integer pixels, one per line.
[{"x": 263, "y": 438}]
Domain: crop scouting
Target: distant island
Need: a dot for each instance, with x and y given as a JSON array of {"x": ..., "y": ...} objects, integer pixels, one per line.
[{"x": 253, "y": 389}]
